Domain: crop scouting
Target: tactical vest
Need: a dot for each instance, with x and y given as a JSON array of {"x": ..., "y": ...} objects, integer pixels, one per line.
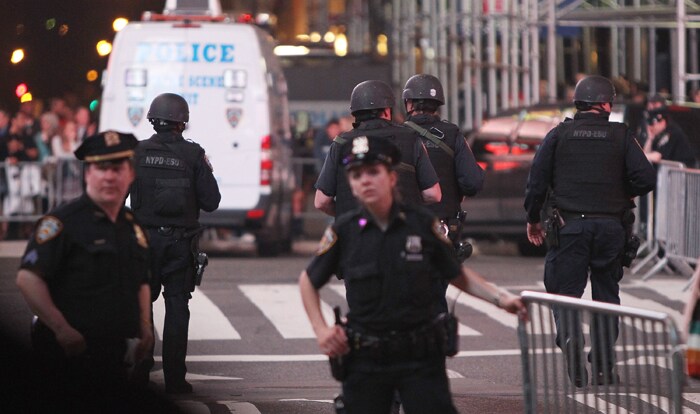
[
  {"x": 404, "y": 139},
  {"x": 444, "y": 164},
  {"x": 589, "y": 167},
  {"x": 163, "y": 193}
]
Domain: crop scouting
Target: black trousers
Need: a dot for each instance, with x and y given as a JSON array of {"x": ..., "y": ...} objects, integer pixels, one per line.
[
  {"x": 587, "y": 248},
  {"x": 173, "y": 268},
  {"x": 422, "y": 386}
]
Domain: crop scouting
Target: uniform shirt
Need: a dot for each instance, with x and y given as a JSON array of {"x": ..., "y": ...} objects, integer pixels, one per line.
[
  {"x": 467, "y": 178},
  {"x": 93, "y": 268},
  {"x": 389, "y": 275},
  {"x": 640, "y": 177},
  {"x": 673, "y": 145},
  {"x": 425, "y": 173}
]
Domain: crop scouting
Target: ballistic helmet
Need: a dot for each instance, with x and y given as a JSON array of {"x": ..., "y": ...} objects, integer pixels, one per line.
[
  {"x": 594, "y": 89},
  {"x": 424, "y": 87},
  {"x": 371, "y": 94},
  {"x": 169, "y": 107}
]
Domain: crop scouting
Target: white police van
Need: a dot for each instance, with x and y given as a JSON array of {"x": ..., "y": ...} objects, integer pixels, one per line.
[{"x": 237, "y": 95}]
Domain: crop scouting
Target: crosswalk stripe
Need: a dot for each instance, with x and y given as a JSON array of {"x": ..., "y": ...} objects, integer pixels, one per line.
[
  {"x": 464, "y": 330},
  {"x": 207, "y": 321},
  {"x": 281, "y": 304}
]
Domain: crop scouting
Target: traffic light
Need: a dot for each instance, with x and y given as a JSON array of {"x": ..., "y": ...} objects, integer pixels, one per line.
[{"x": 21, "y": 89}]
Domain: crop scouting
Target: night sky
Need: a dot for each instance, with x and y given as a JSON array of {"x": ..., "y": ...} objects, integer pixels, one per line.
[{"x": 56, "y": 65}]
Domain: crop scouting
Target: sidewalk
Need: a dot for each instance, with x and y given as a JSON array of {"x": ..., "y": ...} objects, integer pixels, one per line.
[{"x": 12, "y": 248}]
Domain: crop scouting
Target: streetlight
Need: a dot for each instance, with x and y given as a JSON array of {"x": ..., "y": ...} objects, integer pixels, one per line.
[
  {"x": 119, "y": 23},
  {"x": 104, "y": 48},
  {"x": 17, "y": 56}
]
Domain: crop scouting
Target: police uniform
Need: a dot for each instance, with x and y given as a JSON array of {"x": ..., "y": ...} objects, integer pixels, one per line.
[
  {"x": 672, "y": 143},
  {"x": 416, "y": 173},
  {"x": 174, "y": 180},
  {"x": 94, "y": 269},
  {"x": 459, "y": 173},
  {"x": 594, "y": 167},
  {"x": 387, "y": 274}
]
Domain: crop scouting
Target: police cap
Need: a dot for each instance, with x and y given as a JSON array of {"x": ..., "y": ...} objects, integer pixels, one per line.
[
  {"x": 366, "y": 151},
  {"x": 106, "y": 146}
]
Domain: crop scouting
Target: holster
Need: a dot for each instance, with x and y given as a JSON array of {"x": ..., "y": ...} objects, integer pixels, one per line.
[
  {"x": 552, "y": 225},
  {"x": 338, "y": 364},
  {"x": 446, "y": 325}
]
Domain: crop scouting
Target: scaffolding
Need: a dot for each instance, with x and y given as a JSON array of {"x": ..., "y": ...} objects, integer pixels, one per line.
[{"x": 489, "y": 54}]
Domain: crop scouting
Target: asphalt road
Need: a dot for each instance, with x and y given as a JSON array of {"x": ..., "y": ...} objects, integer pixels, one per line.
[{"x": 252, "y": 351}]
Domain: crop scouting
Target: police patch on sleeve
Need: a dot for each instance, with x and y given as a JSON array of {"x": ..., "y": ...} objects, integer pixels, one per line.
[
  {"x": 327, "y": 241},
  {"x": 48, "y": 228},
  {"x": 440, "y": 232}
]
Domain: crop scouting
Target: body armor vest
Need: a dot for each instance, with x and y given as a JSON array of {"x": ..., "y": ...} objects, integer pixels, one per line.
[
  {"x": 163, "y": 193},
  {"x": 404, "y": 139},
  {"x": 443, "y": 163},
  {"x": 589, "y": 167}
]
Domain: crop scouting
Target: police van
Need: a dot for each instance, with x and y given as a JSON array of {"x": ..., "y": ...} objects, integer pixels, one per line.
[{"x": 237, "y": 95}]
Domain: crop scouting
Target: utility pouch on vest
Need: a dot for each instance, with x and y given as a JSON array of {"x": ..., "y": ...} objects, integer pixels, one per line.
[
  {"x": 552, "y": 225},
  {"x": 338, "y": 366}
]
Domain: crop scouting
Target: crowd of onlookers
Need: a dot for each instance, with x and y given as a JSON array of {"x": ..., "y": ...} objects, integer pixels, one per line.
[{"x": 36, "y": 146}]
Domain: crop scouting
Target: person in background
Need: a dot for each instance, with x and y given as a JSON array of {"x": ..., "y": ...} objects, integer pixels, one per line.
[
  {"x": 371, "y": 104},
  {"x": 48, "y": 131},
  {"x": 666, "y": 140},
  {"x": 84, "y": 274},
  {"x": 322, "y": 141},
  {"x": 84, "y": 125},
  {"x": 388, "y": 254}
]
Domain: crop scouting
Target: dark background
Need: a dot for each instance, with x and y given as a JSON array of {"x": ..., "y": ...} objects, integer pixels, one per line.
[{"x": 55, "y": 65}]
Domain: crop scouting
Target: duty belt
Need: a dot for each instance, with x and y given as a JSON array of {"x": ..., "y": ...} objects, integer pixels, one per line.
[
  {"x": 569, "y": 215},
  {"x": 395, "y": 346}
]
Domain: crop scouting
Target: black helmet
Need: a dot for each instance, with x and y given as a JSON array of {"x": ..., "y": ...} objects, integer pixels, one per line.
[
  {"x": 424, "y": 87},
  {"x": 169, "y": 107},
  {"x": 371, "y": 94},
  {"x": 594, "y": 89}
]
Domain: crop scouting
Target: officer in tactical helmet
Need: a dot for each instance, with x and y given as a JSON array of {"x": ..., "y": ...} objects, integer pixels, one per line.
[
  {"x": 449, "y": 152},
  {"x": 371, "y": 104},
  {"x": 594, "y": 168},
  {"x": 174, "y": 181}
]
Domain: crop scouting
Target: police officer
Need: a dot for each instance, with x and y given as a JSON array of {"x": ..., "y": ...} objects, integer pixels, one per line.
[
  {"x": 388, "y": 254},
  {"x": 371, "y": 103},
  {"x": 449, "y": 152},
  {"x": 174, "y": 180},
  {"x": 85, "y": 275},
  {"x": 594, "y": 168},
  {"x": 667, "y": 141}
]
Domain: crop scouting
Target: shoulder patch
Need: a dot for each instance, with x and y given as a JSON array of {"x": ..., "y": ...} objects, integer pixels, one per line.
[
  {"x": 327, "y": 241},
  {"x": 440, "y": 232},
  {"x": 140, "y": 236},
  {"x": 48, "y": 228}
]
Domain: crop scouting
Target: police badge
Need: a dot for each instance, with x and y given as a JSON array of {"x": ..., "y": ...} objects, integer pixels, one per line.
[
  {"x": 135, "y": 114},
  {"x": 414, "y": 248}
]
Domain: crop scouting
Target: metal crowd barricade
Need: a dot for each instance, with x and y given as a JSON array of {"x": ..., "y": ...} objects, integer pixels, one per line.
[
  {"x": 29, "y": 189},
  {"x": 648, "y": 359},
  {"x": 660, "y": 214}
]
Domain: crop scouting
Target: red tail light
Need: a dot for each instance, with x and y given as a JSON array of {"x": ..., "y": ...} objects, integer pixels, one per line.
[{"x": 265, "y": 161}]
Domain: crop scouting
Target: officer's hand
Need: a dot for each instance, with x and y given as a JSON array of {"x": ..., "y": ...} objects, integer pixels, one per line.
[
  {"x": 514, "y": 304},
  {"x": 535, "y": 233},
  {"x": 72, "y": 341},
  {"x": 145, "y": 344},
  {"x": 333, "y": 341}
]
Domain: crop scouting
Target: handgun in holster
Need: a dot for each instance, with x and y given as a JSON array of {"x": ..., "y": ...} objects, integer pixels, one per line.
[
  {"x": 338, "y": 366},
  {"x": 201, "y": 260},
  {"x": 447, "y": 325},
  {"x": 632, "y": 242},
  {"x": 463, "y": 249},
  {"x": 552, "y": 225}
]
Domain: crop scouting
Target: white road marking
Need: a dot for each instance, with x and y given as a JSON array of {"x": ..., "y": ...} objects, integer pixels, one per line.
[
  {"x": 239, "y": 407},
  {"x": 207, "y": 322},
  {"x": 281, "y": 304}
]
